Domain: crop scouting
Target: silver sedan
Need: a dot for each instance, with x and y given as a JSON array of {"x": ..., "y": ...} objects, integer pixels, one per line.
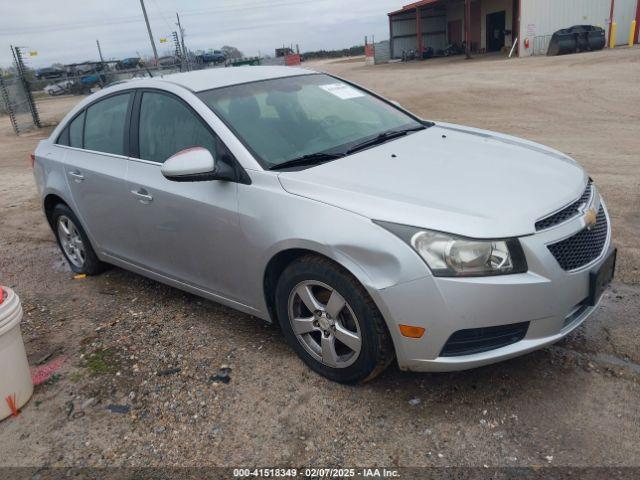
[{"x": 368, "y": 233}]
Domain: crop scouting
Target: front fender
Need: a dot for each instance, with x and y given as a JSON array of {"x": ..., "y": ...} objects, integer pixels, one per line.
[{"x": 273, "y": 220}]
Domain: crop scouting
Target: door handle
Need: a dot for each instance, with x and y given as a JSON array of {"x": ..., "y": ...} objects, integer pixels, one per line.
[
  {"x": 77, "y": 176},
  {"x": 143, "y": 196}
]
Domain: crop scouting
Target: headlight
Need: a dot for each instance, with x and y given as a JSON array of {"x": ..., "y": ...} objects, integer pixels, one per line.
[{"x": 453, "y": 256}]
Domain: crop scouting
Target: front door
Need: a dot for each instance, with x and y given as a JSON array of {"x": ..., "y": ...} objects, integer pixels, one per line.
[
  {"x": 496, "y": 25},
  {"x": 187, "y": 231},
  {"x": 96, "y": 166}
]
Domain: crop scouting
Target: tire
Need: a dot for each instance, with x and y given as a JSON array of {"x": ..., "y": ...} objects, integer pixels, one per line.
[
  {"x": 86, "y": 262},
  {"x": 319, "y": 280}
]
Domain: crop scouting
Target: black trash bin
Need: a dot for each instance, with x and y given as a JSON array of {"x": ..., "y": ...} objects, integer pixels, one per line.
[
  {"x": 597, "y": 38},
  {"x": 562, "y": 42},
  {"x": 589, "y": 37},
  {"x": 581, "y": 33},
  {"x": 579, "y": 38}
]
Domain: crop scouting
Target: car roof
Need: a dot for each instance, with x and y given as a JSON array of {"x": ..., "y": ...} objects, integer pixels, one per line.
[{"x": 211, "y": 78}]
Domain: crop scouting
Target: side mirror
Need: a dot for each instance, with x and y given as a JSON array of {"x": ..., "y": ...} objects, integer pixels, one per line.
[{"x": 195, "y": 165}]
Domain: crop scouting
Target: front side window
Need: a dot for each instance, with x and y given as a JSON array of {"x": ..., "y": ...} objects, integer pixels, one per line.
[
  {"x": 288, "y": 118},
  {"x": 168, "y": 126},
  {"x": 105, "y": 123}
]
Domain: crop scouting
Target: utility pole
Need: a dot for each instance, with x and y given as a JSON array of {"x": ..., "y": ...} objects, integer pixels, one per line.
[
  {"x": 184, "y": 48},
  {"x": 99, "y": 51},
  {"x": 467, "y": 28},
  {"x": 153, "y": 44}
]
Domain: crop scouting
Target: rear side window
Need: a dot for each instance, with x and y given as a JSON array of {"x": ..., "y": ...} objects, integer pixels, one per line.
[
  {"x": 71, "y": 136},
  {"x": 104, "y": 125},
  {"x": 63, "y": 138},
  {"x": 75, "y": 131},
  {"x": 167, "y": 126}
]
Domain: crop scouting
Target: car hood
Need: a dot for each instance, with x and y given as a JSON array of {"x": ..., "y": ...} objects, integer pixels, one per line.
[{"x": 449, "y": 178}]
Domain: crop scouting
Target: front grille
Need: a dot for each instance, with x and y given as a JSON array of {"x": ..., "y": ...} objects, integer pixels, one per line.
[
  {"x": 477, "y": 340},
  {"x": 567, "y": 212},
  {"x": 584, "y": 247}
]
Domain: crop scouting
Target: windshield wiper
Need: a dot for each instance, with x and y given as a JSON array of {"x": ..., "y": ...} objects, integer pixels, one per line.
[
  {"x": 323, "y": 157},
  {"x": 310, "y": 159},
  {"x": 383, "y": 137}
]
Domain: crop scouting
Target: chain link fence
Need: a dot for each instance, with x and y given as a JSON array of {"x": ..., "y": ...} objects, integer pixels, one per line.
[
  {"x": 541, "y": 44},
  {"x": 16, "y": 103},
  {"x": 17, "y": 88},
  {"x": 17, "y": 100}
]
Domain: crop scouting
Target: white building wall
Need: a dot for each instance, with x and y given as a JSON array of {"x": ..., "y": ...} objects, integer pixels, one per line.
[
  {"x": 624, "y": 12},
  {"x": 541, "y": 18}
]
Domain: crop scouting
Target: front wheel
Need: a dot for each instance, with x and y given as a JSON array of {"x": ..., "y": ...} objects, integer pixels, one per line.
[{"x": 331, "y": 322}]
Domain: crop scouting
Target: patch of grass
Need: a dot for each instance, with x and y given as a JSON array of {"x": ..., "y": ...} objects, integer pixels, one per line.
[
  {"x": 76, "y": 376},
  {"x": 55, "y": 378},
  {"x": 100, "y": 362}
]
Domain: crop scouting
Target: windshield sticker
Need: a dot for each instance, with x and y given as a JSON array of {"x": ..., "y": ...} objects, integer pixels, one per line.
[{"x": 342, "y": 90}]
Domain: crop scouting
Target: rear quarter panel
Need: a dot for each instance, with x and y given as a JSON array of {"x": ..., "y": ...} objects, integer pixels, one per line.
[{"x": 49, "y": 173}]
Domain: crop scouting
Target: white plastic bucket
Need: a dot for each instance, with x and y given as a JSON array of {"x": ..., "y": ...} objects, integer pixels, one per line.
[{"x": 15, "y": 378}]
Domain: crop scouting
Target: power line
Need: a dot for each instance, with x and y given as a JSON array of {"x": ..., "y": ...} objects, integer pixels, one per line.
[
  {"x": 101, "y": 22},
  {"x": 162, "y": 14}
]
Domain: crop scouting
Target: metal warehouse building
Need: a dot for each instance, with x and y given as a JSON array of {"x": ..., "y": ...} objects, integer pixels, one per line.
[{"x": 493, "y": 25}]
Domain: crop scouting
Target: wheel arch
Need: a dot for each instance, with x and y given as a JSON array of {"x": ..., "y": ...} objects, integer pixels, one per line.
[
  {"x": 53, "y": 198},
  {"x": 280, "y": 260},
  {"x": 49, "y": 203}
]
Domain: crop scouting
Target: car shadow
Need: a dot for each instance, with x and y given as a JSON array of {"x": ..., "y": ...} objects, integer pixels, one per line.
[{"x": 492, "y": 382}]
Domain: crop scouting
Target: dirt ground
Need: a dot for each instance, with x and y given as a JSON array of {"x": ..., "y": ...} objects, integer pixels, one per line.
[{"x": 129, "y": 341}]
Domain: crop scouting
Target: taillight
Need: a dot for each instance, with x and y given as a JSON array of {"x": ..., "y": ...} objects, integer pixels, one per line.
[
  {"x": 2, "y": 295},
  {"x": 33, "y": 159}
]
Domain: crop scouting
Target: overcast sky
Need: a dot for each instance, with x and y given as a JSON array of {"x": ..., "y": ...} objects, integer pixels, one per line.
[{"x": 66, "y": 30}]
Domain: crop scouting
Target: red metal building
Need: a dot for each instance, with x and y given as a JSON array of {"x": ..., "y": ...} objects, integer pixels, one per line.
[{"x": 495, "y": 25}]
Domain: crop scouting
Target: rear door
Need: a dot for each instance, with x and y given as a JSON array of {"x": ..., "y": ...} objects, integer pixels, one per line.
[
  {"x": 96, "y": 166},
  {"x": 187, "y": 231}
]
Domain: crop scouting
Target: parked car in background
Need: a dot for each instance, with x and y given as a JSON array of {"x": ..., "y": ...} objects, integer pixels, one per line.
[
  {"x": 93, "y": 80},
  {"x": 49, "y": 73},
  {"x": 300, "y": 198},
  {"x": 217, "y": 56},
  {"x": 129, "y": 63},
  {"x": 59, "y": 88},
  {"x": 168, "y": 61},
  {"x": 78, "y": 69}
]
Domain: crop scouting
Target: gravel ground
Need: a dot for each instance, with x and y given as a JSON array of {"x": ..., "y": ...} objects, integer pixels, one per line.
[{"x": 155, "y": 376}]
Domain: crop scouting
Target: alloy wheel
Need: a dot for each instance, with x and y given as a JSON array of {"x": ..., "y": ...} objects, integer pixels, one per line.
[
  {"x": 324, "y": 324},
  {"x": 71, "y": 241}
]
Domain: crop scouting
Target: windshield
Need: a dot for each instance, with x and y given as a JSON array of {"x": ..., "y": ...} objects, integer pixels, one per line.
[{"x": 289, "y": 118}]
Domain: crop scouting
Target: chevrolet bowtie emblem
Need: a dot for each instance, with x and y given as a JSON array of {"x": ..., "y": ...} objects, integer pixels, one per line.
[{"x": 590, "y": 218}]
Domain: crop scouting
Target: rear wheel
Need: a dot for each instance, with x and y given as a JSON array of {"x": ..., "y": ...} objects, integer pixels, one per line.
[
  {"x": 331, "y": 322},
  {"x": 73, "y": 242}
]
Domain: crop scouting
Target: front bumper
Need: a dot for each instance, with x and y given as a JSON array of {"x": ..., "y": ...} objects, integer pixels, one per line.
[{"x": 551, "y": 299}]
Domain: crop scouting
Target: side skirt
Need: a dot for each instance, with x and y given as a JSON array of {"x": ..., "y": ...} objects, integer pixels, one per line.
[{"x": 185, "y": 287}]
